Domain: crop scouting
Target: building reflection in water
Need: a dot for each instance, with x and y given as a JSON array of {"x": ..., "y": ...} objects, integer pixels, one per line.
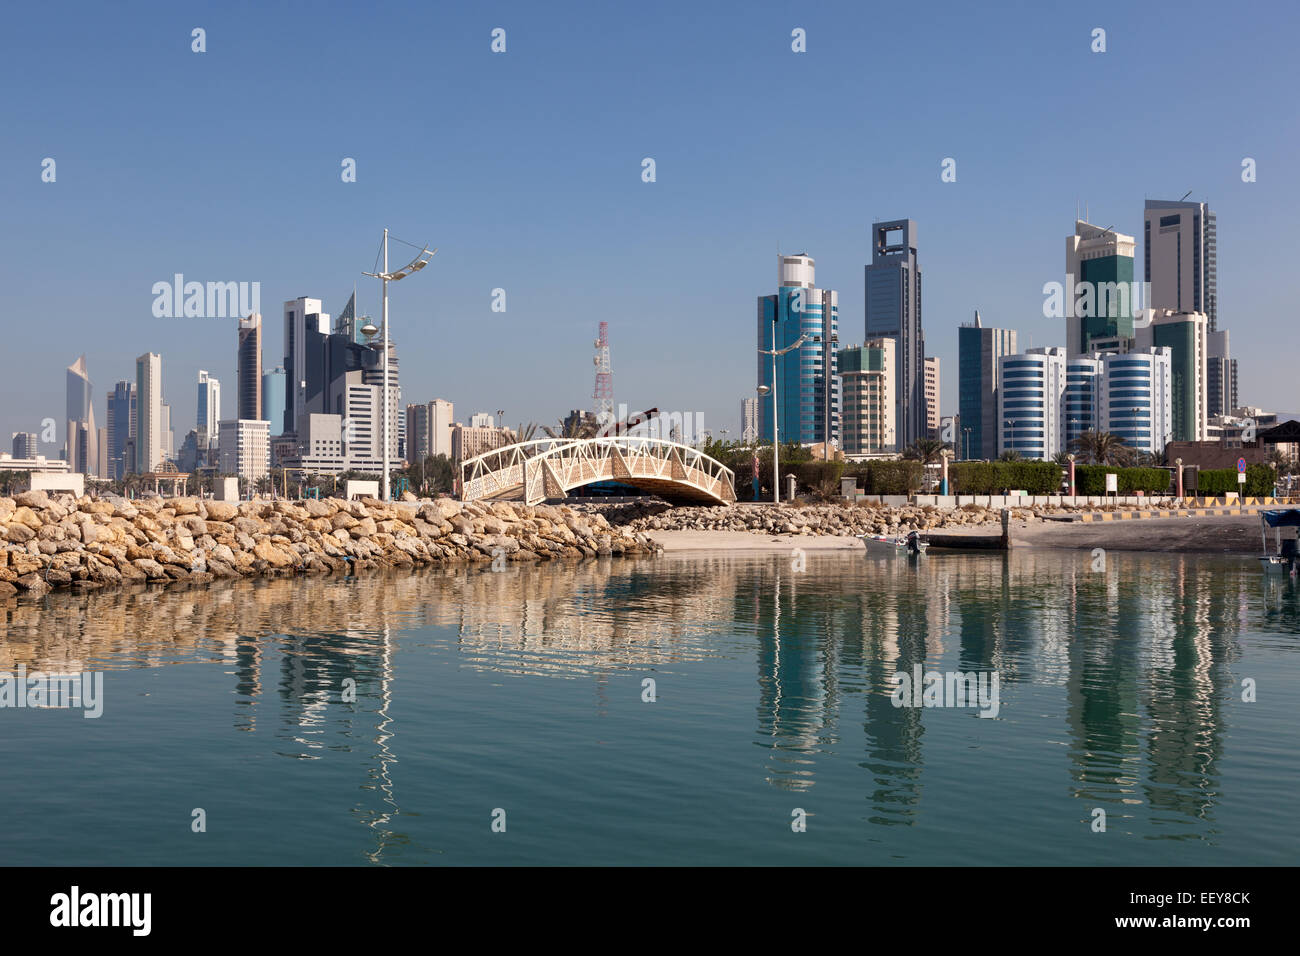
[{"x": 1140, "y": 656}]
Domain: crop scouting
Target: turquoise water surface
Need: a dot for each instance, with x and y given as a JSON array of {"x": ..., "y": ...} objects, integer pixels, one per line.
[{"x": 524, "y": 691}]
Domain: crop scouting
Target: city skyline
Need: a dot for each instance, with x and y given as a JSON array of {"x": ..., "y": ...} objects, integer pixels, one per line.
[{"x": 524, "y": 201}]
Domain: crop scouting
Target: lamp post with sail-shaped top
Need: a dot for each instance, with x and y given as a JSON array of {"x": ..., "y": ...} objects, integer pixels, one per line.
[{"x": 415, "y": 265}]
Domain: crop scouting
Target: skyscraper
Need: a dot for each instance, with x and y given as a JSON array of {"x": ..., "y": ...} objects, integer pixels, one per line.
[
  {"x": 149, "y": 412},
  {"x": 82, "y": 453},
  {"x": 302, "y": 317},
  {"x": 1220, "y": 376},
  {"x": 1180, "y": 253},
  {"x": 807, "y": 382},
  {"x": 867, "y": 385},
  {"x": 209, "y": 403},
  {"x": 748, "y": 420},
  {"x": 893, "y": 308},
  {"x": 248, "y": 385},
  {"x": 979, "y": 350},
  {"x": 1099, "y": 283},
  {"x": 24, "y": 445},
  {"x": 1082, "y": 397},
  {"x": 1135, "y": 398},
  {"x": 121, "y": 428},
  {"x": 932, "y": 395},
  {"x": 274, "y": 383},
  {"x": 1031, "y": 389},
  {"x": 1185, "y": 335}
]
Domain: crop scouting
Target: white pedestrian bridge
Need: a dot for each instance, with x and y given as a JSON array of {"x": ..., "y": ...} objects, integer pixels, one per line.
[{"x": 532, "y": 471}]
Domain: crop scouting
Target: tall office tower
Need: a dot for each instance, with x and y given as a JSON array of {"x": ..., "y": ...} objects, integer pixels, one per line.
[
  {"x": 1031, "y": 394},
  {"x": 1136, "y": 397},
  {"x": 168, "y": 436},
  {"x": 149, "y": 413},
  {"x": 979, "y": 350},
  {"x": 209, "y": 404},
  {"x": 121, "y": 428},
  {"x": 748, "y": 420},
  {"x": 103, "y": 467},
  {"x": 248, "y": 384},
  {"x": 1185, "y": 334},
  {"x": 1180, "y": 249},
  {"x": 82, "y": 455},
  {"x": 893, "y": 307},
  {"x": 867, "y": 391},
  {"x": 428, "y": 429},
  {"x": 302, "y": 318},
  {"x": 24, "y": 445},
  {"x": 1082, "y": 397},
  {"x": 806, "y": 378},
  {"x": 1220, "y": 376},
  {"x": 274, "y": 383},
  {"x": 482, "y": 420},
  {"x": 417, "y": 433},
  {"x": 1099, "y": 284},
  {"x": 932, "y": 396}
]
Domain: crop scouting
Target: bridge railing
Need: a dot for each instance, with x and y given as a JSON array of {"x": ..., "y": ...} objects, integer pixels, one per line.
[{"x": 524, "y": 466}]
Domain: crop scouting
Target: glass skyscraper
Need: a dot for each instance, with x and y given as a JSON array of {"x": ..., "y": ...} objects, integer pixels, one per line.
[
  {"x": 893, "y": 309},
  {"x": 807, "y": 382}
]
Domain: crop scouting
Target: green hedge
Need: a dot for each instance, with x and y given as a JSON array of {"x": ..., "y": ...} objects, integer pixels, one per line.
[
  {"x": 1260, "y": 480},
  {"x": 821, "y": 478},
  {"x": 886, "y": 477},
  {"x": 998, "y": 477},
  {"x": 1091, "y": 480}
]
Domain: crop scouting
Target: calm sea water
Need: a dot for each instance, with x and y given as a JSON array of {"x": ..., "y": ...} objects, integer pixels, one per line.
[{"x": 523, "y": 691}]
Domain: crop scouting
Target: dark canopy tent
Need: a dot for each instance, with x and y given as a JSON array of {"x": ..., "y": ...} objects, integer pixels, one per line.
[{"x": 1282, "y": 518}]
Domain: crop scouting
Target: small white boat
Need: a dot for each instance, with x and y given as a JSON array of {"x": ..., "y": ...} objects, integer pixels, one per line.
[
  {"x": 1285, "y": 557},
  {"x": 910, "y": 543}
]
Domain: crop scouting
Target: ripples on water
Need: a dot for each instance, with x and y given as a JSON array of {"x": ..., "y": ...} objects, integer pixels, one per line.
[{"x": 1120, "y": 690}]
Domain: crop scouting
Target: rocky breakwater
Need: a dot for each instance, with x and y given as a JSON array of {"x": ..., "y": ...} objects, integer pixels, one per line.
[
  {"x": 51, "y": 541},
  {"x": 821, "y": 519}
]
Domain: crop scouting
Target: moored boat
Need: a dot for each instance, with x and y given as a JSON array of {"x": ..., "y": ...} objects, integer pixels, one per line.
[
  {"x": 910, "y": 543},
  {"x": 1285, "y": 557}
]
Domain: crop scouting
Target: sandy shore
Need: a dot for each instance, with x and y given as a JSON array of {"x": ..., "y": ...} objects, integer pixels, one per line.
[{"x": 1222, "y": 534}]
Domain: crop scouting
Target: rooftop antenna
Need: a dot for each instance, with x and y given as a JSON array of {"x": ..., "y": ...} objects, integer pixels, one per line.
[{"x": 1185, "y": 195}]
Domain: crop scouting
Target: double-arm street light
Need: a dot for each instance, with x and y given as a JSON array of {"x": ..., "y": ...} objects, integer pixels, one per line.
[
  {"x": 763, "y": 390},
  {"x": 415, "y": 265}
]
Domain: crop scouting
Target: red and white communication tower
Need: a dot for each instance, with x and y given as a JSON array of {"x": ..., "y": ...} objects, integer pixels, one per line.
[{"x": 603, "y": 396}]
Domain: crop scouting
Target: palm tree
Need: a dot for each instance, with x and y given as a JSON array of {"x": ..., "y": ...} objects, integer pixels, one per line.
[
  {"x": 1062, "y": 458},
  {"x": 926, "y": 450},
  {"x": 1009, "y": 455},
  {"x": 573, "y": 427},
  {"x": 1103, "y": 448}
]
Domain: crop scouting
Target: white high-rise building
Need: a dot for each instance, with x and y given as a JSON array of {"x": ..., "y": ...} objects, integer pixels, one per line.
[
  {"x": 748, "y": 420},
  {"x": 1082, "y": 397},
  {"x": 1031, "y": 393},
  {"x": 209, "y": 404},
  {"x": 245, "y": 448},
  {"x": 1179, "y": 247},
  {"x": 1136, "y": 397},
  {"x": 149, "y": 434}
]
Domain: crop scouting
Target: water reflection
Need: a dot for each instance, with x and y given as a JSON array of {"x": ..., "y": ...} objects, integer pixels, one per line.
[{"x": 1132, "y": 666}]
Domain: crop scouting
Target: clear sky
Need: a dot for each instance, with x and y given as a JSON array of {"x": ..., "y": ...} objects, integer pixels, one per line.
[{"x": 524, "y": 168}]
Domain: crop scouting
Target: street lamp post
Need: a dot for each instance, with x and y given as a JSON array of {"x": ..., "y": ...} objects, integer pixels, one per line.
[
  {"x": 415, "y": 265},
  {"x": 763, "y": 390}
]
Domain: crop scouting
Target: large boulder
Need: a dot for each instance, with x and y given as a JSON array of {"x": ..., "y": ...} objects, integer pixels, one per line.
[{"x": 220, "y": 510}]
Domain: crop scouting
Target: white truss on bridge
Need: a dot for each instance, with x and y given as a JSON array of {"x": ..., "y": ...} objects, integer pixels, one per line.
[{"x": 551, "y": 467}]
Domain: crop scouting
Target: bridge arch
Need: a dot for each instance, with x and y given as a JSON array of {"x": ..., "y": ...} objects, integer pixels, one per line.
[{"x": 533, "y": 471}]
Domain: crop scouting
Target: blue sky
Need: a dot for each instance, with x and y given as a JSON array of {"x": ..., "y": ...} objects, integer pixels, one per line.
[{"x": 524, "y": 168}]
